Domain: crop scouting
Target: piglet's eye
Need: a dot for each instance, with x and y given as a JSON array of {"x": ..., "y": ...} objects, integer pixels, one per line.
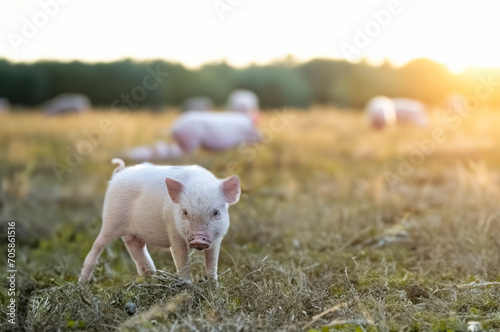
[
  {"x": 216, "y": 213},
  {"x": 185, "y": 213}
]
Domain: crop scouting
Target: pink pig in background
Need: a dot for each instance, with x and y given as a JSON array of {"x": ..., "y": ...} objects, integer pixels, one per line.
[
  {"x": 176, "y": 207},
  {"x": 244, "y": 102},
  {"x": 213, "y": 130},
  {"x": 202, "y": 129},
  {"x": 381, "y": 112},
  {"x": 384, "y": 112}
]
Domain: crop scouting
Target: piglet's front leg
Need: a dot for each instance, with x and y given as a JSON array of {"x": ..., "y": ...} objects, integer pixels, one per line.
[
  {"x": 211, "y": 260},
  {"x": 180, "y": 253}
]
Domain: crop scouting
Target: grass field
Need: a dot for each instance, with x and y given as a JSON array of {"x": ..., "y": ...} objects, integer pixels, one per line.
[{"x": 339, "y": 227}]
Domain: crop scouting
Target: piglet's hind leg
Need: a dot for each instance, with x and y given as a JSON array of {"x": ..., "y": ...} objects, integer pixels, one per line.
[
  {"x": 139, "y": 252},
  {"x": 90, "y": 261}
]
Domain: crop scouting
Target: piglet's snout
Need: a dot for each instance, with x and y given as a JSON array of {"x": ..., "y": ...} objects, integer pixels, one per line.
[{"x": 199, "y": 242}]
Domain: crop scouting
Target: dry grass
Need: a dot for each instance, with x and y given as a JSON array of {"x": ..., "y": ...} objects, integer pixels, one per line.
[{"x": 319, "y": 240}]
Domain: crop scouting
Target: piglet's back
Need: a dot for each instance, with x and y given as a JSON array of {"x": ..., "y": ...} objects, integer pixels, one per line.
[{"x": 148, "y": 177}]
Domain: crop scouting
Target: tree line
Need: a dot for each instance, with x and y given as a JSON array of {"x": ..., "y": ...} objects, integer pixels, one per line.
[{"x": 285, "y": 83}]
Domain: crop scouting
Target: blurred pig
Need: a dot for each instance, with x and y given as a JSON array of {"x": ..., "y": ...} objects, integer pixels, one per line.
[
  {"x": 200, "y": 129},
  {"x": 198, "y": 104},
  {"x": 381, "y": 112},
  {"x": 245, "y": 102},
  {"x": 213, "y": 130},
  {"x": 67, "y": 103},
  {"x": 208, "y": 130},
  {"x": 176, "y": 207},
  {"x": 4, "y": 105},
  {"x": 410, "y": 111},
  {"x": 160, "y": 150}
]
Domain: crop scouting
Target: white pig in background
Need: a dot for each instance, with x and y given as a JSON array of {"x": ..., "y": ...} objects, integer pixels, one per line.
[
  {"x": 160, "y": 150},
  {"x": 200, "y": 129},
  {"x": 246, "y": 102},
  {"x": 410, "y": 111},
  {"x": 381, "y": 112},
  {"x": 213, "y": 130},
  {"x": 4, "y": 105},
  {"x": 208, "y": 130},
  {"x": 67, "y": 103},
  {"x": 176, "y": 207},
  {"x": 198, "y": 103}
]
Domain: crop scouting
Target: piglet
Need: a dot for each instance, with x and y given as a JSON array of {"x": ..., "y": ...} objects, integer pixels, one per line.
[{"x": 176, "y": 207}]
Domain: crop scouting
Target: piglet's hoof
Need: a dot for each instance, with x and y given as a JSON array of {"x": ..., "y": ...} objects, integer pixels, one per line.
[
  {"x": 212, "y": 283},
  {"x": 148, "y": 274},
  {"x": 183, "y": 283}
]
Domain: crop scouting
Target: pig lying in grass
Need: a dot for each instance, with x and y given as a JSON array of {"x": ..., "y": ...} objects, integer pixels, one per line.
[{"x": 176, "y": 207}]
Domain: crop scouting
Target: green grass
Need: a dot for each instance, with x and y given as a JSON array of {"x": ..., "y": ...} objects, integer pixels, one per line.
[{"x": 320, "y": 240}]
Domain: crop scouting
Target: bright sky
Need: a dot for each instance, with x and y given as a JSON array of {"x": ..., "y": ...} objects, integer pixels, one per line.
[{"x": 455, "y": 32}]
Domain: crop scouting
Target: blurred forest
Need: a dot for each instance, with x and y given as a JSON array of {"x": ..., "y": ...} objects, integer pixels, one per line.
[{"x": 284, "y": 83}]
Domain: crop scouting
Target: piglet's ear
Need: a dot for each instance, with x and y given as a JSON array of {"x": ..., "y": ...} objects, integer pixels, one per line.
[
  {"x": 174, "y": 189},
  {"x": 231, "y": 189}
]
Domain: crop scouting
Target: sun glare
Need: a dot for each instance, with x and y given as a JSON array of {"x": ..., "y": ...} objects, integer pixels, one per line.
[
  {"x": 456, "y": 67},
  {"x": 456, "y": 33}
]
